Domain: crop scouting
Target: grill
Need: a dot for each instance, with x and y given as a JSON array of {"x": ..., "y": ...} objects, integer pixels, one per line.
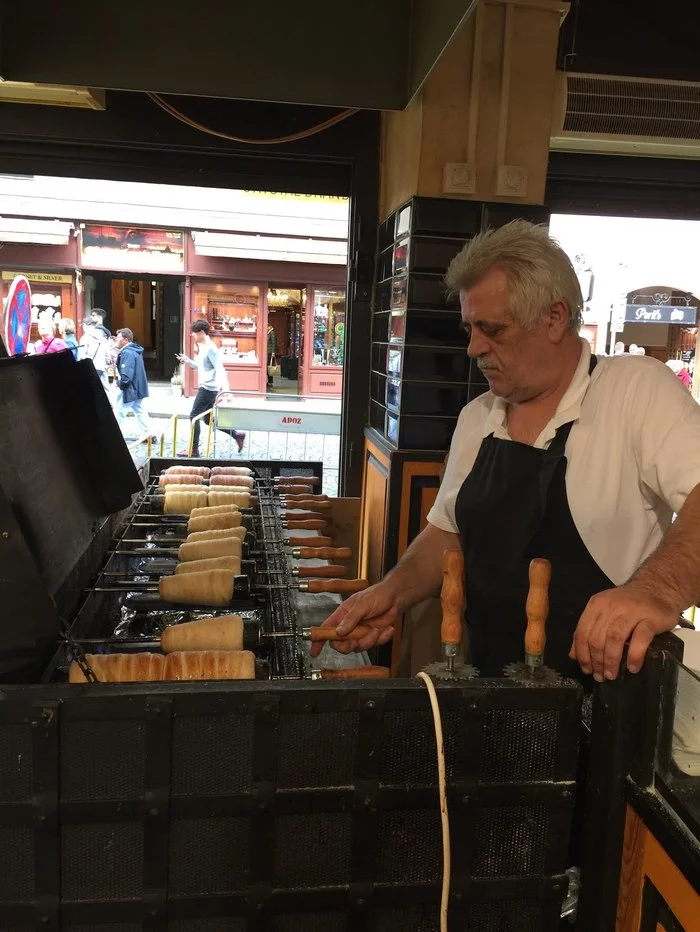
[{"x": 282, "y": 804}]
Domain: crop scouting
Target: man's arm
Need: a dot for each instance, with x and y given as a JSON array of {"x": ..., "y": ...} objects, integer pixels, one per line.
[
  {"x": 415, "y": 577},
  {"x": 127, "y": 370},
  {"x": 649, "y": 604}
]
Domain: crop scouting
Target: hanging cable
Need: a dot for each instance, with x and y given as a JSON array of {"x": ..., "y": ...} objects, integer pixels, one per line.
[
  {"x": 278, "y": 140},
  {"x": 442, "y": 787}
]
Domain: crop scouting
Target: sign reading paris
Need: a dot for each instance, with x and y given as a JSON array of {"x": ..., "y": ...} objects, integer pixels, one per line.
[{"x": 661, "y": 314}]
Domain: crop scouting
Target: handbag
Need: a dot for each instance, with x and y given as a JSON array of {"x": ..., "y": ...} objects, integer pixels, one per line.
[{"x": 273, "y": 369}]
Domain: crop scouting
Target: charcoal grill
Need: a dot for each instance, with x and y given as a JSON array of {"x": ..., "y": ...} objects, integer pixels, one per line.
[{"x": 277, "y": 805}]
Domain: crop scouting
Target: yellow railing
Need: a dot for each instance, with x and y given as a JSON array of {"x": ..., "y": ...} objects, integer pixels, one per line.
[
  {"x": 148, "y": 440},
  {"x": 210, "y": 431}
]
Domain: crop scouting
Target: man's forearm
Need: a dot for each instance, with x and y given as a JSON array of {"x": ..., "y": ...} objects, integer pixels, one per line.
[
  {"x": 671, "y": 575},
  {"x": 418, "y": 574}
]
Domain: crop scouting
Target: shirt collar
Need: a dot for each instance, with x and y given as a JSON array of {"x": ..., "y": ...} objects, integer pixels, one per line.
[{"x": 568, "y": 410}]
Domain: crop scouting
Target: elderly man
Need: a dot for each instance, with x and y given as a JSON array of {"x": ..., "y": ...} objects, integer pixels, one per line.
[{"x": 577, "y": 459}]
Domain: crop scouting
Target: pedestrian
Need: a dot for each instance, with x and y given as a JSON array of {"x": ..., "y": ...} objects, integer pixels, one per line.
[
  {"x": 66, "y": 328},
  {"x": 619, "y": 349},
  {"x": 579, "y": 459},
  {"x": 98, "y": 316},
  {"x": 133, "y": 384},
  {"x": 271, "y": 353},
  {"x": 48, "y": 342},
  {"x": 93, "y": 345},
  {"x": 678, "y": 366},
  {"x": 212, "y": 379}
]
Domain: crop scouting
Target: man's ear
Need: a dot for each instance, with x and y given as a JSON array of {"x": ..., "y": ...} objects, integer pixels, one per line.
[{"x": 558, "y": 317}]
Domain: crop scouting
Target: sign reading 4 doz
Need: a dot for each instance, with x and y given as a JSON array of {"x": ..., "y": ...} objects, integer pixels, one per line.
[{"x": 660, "y": 314}]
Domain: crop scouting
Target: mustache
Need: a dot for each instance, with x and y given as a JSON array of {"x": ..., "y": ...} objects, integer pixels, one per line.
[{"x": 486, "y": 363}]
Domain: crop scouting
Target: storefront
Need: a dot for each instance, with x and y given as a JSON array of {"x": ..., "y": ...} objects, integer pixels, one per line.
[{"x": 53, "y": 296}]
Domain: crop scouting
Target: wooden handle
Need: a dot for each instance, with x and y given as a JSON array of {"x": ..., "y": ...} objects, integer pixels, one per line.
[
  {"x": 298, "y": 480},
  {"x": 312, "y": 542},
  {"x": 320, "y": 633},
  {"x": 303, "y": 516},
  {"x": 306, "y": 489},
  {"x": 537, "y": 606},
  {"x": 328, "y": 571},
  {"x": 305, "y": 502},
  {"x": 357, "y": 673},
  {"x": 336, "y": 585},
  {"x": 324, "y": 553},
  {"x": 452, "y": 596},
  {"x": 304, "y": 496},
  {"x": 315, "y": 524}
]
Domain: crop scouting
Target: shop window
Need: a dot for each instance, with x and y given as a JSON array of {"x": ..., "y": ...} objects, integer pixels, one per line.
[
  {"x": 233, "y": 313},
  {"x": 329, "y": 327}
]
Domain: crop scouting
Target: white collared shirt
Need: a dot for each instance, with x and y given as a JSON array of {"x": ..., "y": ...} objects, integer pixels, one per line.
[{"x": 633, "y": 455}]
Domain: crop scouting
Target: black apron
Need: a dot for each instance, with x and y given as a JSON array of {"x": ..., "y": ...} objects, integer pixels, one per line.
[{"x": 512, "y": 507}]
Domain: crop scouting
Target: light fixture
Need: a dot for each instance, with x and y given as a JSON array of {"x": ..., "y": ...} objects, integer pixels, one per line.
[{"x": 53, "y": 95}]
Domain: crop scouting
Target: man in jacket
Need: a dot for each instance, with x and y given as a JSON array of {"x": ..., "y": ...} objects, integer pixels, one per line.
[{"x": 133, "y": 384}]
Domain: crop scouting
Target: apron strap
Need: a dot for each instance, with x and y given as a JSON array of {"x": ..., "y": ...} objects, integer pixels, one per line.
[{"x": 555, "y": 453}]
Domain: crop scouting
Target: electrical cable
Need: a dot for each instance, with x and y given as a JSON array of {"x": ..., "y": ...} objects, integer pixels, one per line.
[
  {"x": 442, "y": 787},
  {"x": 278, "y": 140}
]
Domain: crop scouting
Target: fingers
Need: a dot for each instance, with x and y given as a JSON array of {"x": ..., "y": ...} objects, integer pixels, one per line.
[
  {"x": 580, "y": 649},
  {"x": 642, "y": 637}
]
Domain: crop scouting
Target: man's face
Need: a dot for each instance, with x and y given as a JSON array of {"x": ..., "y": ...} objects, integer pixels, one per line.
[
  {"x": 120, "y": 341},
  {"x": 199, "y": 336},
  {"x": 516, "y": 362},
  {"x": 96, "y": 319}
]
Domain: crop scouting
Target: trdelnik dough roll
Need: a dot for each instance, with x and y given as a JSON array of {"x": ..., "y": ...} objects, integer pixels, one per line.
[
  {"x": 182, "y": 503},
  {"x": 120, "y": 668},
  {"x": 210, "y": 587},
  {"x": 214, "y": 510},
  {"x": 188, "y": 470},
  {"x": 231, "y": 471},
  {"x": 210, "y": 665},
  {"x": 180, "y": 479},
  {"x": 222, "y": 633},
  {"x": 219, "y": 496},
  {"x": 239, "y": 482},
  {"x": 232, "y": 564},
  {"x": 208, "y": 549},
  {"x": 216, "y": 534},
  {"x": 214, "y": 522}
]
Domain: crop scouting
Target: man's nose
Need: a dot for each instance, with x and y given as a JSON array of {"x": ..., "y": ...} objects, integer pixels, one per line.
[{"x": 477, "y": 344}]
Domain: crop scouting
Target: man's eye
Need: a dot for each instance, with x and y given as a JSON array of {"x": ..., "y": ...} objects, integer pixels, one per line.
[{"x": 467, "y": 331}]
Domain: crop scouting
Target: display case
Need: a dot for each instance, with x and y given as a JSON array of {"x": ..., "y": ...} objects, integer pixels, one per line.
[
  {"x": 325, "y": 341},
  {"x": 235, "y": 312}
]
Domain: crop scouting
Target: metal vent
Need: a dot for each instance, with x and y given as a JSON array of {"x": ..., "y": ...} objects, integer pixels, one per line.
[{"x": 614, "y": 114}]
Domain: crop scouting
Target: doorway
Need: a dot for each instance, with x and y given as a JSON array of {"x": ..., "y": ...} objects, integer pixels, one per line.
[
  {"x": 285, "y": 339},
  {"x": 151, "y": 308}
]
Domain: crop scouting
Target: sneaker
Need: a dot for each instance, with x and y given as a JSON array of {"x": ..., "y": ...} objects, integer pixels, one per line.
[{"x": 240, "y": 440}]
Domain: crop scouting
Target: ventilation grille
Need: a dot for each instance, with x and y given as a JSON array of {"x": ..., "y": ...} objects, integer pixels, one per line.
[{"x": 624, "y": 107}]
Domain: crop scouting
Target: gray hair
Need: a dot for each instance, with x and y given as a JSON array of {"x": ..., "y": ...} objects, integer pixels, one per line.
[{"x": 539, "y": 272}]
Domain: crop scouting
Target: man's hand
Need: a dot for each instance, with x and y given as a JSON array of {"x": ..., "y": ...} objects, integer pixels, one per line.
[
  {"x": 376, "y": 607},
  {"x": 182, "y": 357},
  {"x": 610, "y": 618}
]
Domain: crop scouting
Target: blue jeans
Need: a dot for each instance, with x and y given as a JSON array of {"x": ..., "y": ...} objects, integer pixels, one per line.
[{"x": 122, "y": 408}]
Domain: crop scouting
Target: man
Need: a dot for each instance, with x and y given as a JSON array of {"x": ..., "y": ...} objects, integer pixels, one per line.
[
  {"x": 577, "y": 459},
  {"x": 212, "y": 379},
  {"x": 132, "y": 383},
  {"x": 93, "y": 345},
  {"x": 98, "y": 316}
]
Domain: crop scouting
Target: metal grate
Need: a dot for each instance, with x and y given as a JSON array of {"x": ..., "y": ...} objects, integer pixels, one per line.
[
  {"x": 510, "y": 841},
  {"x": 16, "y": 863},
  {"x": 410, "y": 760},
  {"x": 16, "y": 763},
  {"x": 312, "y": 849},
  {"x": 286, "y": 658},
  {"x": 300, "y": 736},
  {"x": 308, "y": 922},
  {"x": 422, "y": 918},
  {"x": 115, "y": 766},
  {"x": 104, "y": 927},
  {"x": 508, "y": 916},
  {"x": 208, "y": 855},
  {"x": 102, "y": 861},
  {"x": 519, "y": 746},
  {"x": 228, "y": 924},
  {"x": 409, "y": 846},
  {"x": 209, "y": 738}
]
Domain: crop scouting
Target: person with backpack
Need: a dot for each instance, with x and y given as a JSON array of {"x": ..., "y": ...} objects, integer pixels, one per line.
[
  {"x": 132, "y": 382},
  {"x": 94, "y": 345}
]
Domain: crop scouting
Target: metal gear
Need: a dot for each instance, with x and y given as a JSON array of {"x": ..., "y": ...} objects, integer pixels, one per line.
[
  {"x": 541, "y": 676},
  {"x": 460, "y": 671}
]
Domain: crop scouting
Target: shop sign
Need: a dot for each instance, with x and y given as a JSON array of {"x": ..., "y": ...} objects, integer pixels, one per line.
[
  {"x": 660, "y": 314},
  {"x": 52, "y": 278},
  {"x": 132, "y": 249}
]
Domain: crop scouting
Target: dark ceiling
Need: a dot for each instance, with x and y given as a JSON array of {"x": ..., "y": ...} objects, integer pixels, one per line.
[{"x": 371, "y": 54}]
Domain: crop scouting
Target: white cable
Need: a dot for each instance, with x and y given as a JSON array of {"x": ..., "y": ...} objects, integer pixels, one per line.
[{"x": 442, "y": 787}]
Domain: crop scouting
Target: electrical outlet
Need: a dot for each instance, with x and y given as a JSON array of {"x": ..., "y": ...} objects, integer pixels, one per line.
[
  {"x": 511, "y": 181},
  {"x": 459, "y": 178}
]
